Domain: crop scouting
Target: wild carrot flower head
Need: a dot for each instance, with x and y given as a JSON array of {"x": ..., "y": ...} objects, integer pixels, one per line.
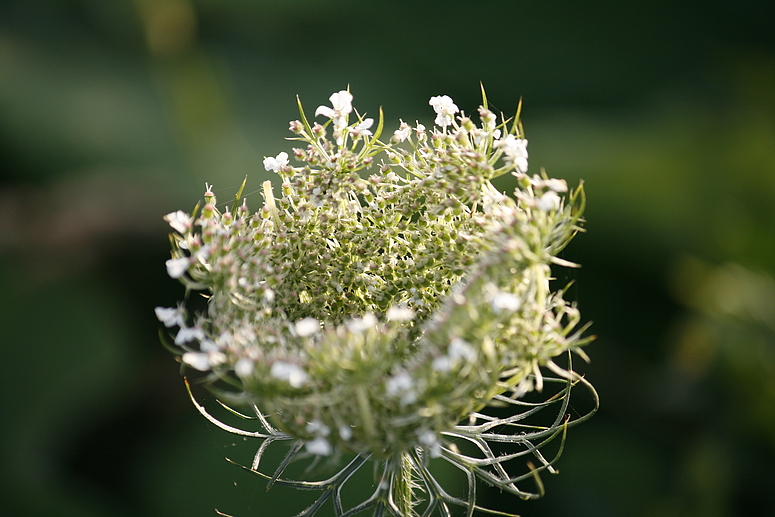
[{"x": 369, "y": 308}]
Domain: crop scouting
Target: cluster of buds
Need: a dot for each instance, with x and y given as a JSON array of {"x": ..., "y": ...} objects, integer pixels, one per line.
[{"x": 373, "y": 306}]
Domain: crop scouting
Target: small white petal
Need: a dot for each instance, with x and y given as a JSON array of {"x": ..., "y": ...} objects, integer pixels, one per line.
[
  {"x": 317, "y": 427},
  {"x": 430, "y": 441},
  {"x": 397, "y": 313},
  {"x": 504, "y": 301},
  {"x": 358, "y": 325},
  {"x": 549, "y": 201},
  {"x": 276, "y": 163},
  {"x": 342, "y": 101},
  {"x": 186, "y": 334},
  {"x": 292, "y": 373},
  {"x": 177, "y": 267},
  {"x": 171, "y": 317},
  {"x": 345, "y": 433},
  {"x": 398, "y": 383},
  {"x": 442, "y": 364},
  {"x": 307, "y": 327},
  {"x": 319, "y": 447},
  {"x": 325, "y": 111},
  {"x": 179, "y": 221},
  {"x": 244, "y": 367},
  {"x": 197, "y": 360},
  {"x": 556, "y": 185},
  {"x": 461, "y": 349},
  {"x": 444, "y": 108},
  {"x": 209, "y": 346}
]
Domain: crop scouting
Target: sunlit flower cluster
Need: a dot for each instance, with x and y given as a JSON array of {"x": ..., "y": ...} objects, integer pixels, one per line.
[{"x": 371, "y": 306}]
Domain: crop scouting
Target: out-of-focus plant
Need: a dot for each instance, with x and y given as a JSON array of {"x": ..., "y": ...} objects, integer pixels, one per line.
[{"x": 394, "y": 317}]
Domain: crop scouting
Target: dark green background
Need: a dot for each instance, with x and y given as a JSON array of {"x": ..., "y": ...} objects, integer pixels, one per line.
[{"x": 113, "y": 113}]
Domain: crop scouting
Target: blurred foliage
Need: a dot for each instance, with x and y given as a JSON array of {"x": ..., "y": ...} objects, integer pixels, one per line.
[{"x": 115, "y": 113}]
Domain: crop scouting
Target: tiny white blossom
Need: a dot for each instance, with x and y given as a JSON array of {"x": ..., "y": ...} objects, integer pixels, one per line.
[
  {"x": 345, "y": 433},
  {"x": 307, "y": 326},
  {"x": 358, "y": 325},
  {"x": 398, "y": 383},
  {"x": 549, "y": 201},
  {"x": 402, "y": 133},
  {"x": 556, "y": 185},
  {"x": 319, "y": 447},
  {"x": 504, "y": 301},
  {"x": 197, "y": 360},
  {"x": 515, "y": 150},
  {"x": 401, "y": 385},
  {"x": 292, "y": 373},
  {"x": 276, "y": 163},
  {"x": 187, "y": 334},
  {"x": 419, "y": 129},
  {"x": 177, "y": 267},
  {"x": 362, "y": 129},
  {"x": 501, "y": 300},
  {"x": 171, "y": 317},
  {"x": 444, "y": 108},
  {"x": 429, "y": 440},
  {"x": 244, "y": 367},
  {"x": 317, "y": 427},
  {"x": 179, "y": 221},
  {"x": 398, "y": 313},
  {"x": 442, "y": 363},
  {"x": 208, "y": 345},
  {"x": 342, "y": 106},
  {"x": 460, "y": 349}
]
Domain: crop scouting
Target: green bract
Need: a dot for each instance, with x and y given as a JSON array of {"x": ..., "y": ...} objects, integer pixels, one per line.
[{"x": 369, "y": 308}]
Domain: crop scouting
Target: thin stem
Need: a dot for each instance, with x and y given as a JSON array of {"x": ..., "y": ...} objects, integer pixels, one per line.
[{"x": 403, "y": 484}]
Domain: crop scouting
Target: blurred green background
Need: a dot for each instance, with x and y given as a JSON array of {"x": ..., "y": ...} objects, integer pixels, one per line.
[{"x": 113, "y": 113}]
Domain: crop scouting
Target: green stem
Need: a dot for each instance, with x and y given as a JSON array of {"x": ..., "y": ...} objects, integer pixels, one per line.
[{"x": 403, "y": 485}]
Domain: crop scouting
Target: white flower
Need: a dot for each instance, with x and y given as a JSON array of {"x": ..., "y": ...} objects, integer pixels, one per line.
[
  {"x": 549, "y": 201},
  {"x": 556, "y": 185},
  {"x": 204, "y": 360},
  {"x": 186, "y": 334},
  {"x": 319, "y": 447},
  {"x": 276, "y": 163},
  {"x": 442, "y": 363},
  {"x": 515, "y": 150},
  {"x": 398, "y": 383},
  {"x": 292, "y": 373},
  {"x": 307, "y": 326},
  {"x": 244, "y": 367},
  {"x": 208, "y": 345},
  {"x": 197, "y": 360},
  {"x": 501, "y": 300},
  {"x": 362, "y": 129},
  {"x": 358, "y": 325},
  {"x": 318, "y": 428},
  {"x": 505, "y": 301},
  {"x": 419, "y": 131},
  {"x": 171, "y": 317},
  {"x": 177, "y": 267},
  {"x": 460, "y": 349},
  {"x": 402, "y": 133},
  {"x": 180, "y": 221},
  {"x": 444, "y": 108},
  {"x": 342, "y": 106},
  {"x": 398, "y": 313},
  {"x": 429, "y": 440},
  {"x": 345, "y": 433}
]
